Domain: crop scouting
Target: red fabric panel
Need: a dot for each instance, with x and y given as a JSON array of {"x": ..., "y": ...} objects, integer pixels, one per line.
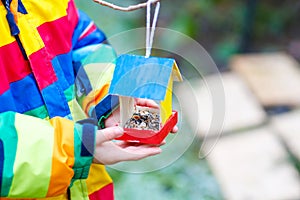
[
  {"x": 4, "y": 82},
  {"x": 72, "y": 14},
  {"x": 13, "y": 66},
  {"x": 57, "y": 34},
  {"x": 57, "y": 37},
  {"x": 42, "y": 68},
  {"x": 105, "y": 193},
  {"x": 12, "y": 56}
]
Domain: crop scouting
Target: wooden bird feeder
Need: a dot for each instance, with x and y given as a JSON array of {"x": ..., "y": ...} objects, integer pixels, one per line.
[{"x": 149, "y": 78}]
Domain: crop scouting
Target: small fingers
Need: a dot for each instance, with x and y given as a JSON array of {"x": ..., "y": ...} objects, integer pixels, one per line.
[
  {"x": 175, "y": 129},
  {"x": 162, "y": 143},
  {"x": 108, "y": 134},
  {"x": 140, "y": 152},
  {"x": 146, "y": 102},
  {"x": 136, "y": 151}
]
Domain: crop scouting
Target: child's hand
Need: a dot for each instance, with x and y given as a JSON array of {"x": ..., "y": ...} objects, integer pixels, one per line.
[
  {"x": 114, "y": 118},
  {"x": 108, "y": 152}
]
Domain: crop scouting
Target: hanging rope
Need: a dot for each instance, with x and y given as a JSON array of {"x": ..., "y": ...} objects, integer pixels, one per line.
[
  {"x": 150, "y": 30},
  {"x": 126, "y": 9}
]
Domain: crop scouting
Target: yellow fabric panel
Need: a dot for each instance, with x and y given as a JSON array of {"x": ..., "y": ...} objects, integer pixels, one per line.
[
  {"x": 5, "y": 38},
  {"x": 76, "y": 110},
  {"x": 46, "y": 10},
  {"x": 166, "y": 104},
  {"x": 98, "y": 178},
  {"x": 39, "y": 14},
  {"x": 29, "y": 35},
  {"x": 29, "y": 22},
  {"x": 99, "y": 74}
]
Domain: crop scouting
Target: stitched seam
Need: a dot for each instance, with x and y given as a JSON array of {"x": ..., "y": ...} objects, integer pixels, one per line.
[{"x": 52, "y": 75}]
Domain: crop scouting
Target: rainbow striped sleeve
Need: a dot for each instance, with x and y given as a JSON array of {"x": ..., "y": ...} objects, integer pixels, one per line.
[
  {"x": 94, "y": 78},
  {"x": 51, "y": 153},
  {"x": 94, "y": 66}
]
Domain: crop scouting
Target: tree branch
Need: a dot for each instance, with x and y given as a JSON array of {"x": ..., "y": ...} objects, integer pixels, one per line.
[{"x": 126, "y": 9}]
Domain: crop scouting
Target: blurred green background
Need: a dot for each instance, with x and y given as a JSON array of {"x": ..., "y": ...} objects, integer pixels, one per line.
[{"x": 223, "y": 28}]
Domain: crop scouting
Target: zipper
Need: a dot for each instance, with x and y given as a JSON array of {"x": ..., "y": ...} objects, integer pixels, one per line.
[
  {"x": 14, "y": 29},
  {"x": 21, "y": 47}
]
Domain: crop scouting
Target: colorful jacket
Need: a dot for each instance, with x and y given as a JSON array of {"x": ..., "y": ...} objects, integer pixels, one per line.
[{"x": 46, "y": 146}]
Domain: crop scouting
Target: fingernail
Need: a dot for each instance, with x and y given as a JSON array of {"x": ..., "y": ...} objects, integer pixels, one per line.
[
  {"x": 158, "y": 150},
  {"x": 119, "y": 130}
]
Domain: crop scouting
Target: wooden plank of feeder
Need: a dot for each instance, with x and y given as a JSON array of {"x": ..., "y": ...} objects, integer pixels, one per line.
[
  {"x": 126, "y": 109},
  {"x": 273, "y": 77},
  {"x": 288, "y": 126},
  {"x": 242, "y": 109},
  {"x": 254, "y": 165}
]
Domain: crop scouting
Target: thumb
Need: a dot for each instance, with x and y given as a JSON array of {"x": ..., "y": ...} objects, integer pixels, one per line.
[{"x": 108, "y": 134}]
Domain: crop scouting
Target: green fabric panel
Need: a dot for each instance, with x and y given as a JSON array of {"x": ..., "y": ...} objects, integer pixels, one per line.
[
  {"x": 104, "y": 54},
  {"x": 70, "y": 93},
  {"x": 79, "y": 190},
  {"x": 40, "y": 112},
  {"x": 82, "y": 164},
  {"x": 10, "y": 139},
  {"x": 77, "y": 145},
  {"x": 33, "y": 162}
]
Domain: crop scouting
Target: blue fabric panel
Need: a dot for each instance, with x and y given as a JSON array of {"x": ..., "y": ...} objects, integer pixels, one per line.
[
  {"x": 88, "y": 140},
  {"x": 95, "y": 37},
  {"x": 25, "y": 93},
  {"x": 62, "y": 80},
  {"x": 7, "y": 102},
  {"x": 66, "y": 66},
  {"x": 79, "y": 54},
  {"x": 21, "y": 7},
  {"x": 141, "y": 77},
  {"x": 106, "y": 106},
  {"x": 55, "y": 101},
  {"x": 14, "y": 29},
  {"x": 82, "y": 82}
]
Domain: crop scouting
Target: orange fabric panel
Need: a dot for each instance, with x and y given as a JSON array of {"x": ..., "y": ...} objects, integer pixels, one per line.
[
  {"x": 94, "y": 97},
  {"x": 60, "y": 197},
  {"x": 63, "y": 156}
]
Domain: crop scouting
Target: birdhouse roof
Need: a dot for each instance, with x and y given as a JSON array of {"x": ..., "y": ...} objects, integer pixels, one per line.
[{"x": 140, "y": 77}]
